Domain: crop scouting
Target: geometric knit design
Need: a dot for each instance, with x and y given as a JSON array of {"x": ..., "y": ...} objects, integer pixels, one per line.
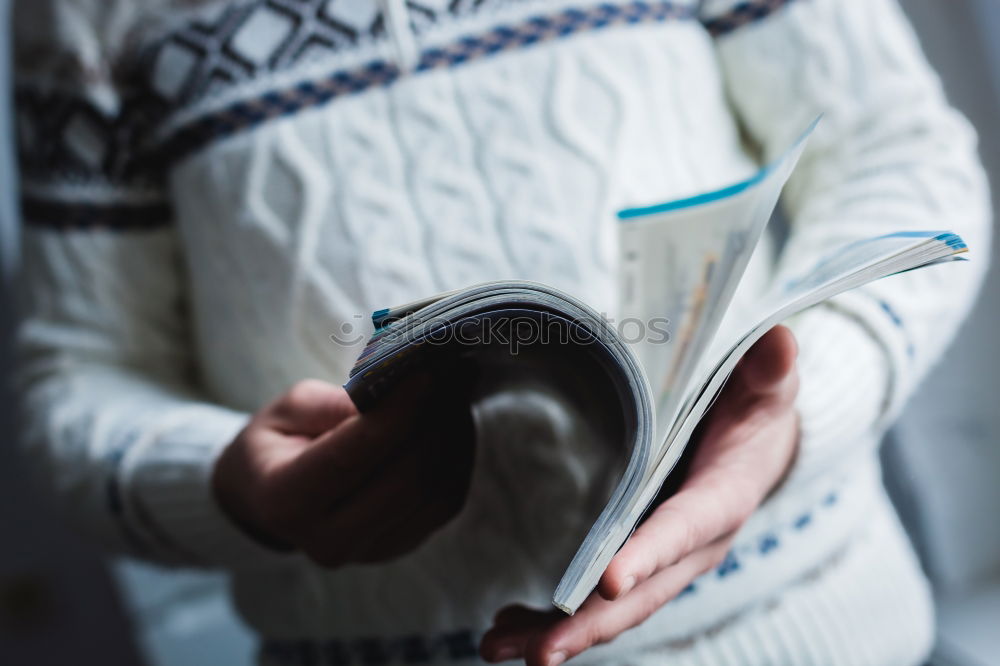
[{"x": 67, "y": 138}]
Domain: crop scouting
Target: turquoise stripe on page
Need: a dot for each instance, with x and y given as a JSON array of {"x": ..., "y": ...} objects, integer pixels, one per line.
[{"x": 697, "y": 200}]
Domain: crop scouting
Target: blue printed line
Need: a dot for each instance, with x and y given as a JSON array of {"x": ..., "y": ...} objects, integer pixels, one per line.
[
  {"x": 766, "y": 544},
  {"x": 697, "y": 200}
]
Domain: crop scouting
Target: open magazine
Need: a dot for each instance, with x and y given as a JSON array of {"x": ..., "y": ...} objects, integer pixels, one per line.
[{"x": 681, "y": 263}]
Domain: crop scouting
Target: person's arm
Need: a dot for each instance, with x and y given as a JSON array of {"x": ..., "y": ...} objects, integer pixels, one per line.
[
  {"x": 125, "y": 437},
  {"x": 889, "y": 155},
  {"x": 114, "y": 421}
]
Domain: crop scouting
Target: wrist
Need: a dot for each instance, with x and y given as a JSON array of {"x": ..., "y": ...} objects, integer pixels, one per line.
[{"x": 167, "y": 491}]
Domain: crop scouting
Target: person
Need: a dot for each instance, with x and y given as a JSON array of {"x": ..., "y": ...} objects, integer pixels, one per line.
[{"x": 211, "y": 189}]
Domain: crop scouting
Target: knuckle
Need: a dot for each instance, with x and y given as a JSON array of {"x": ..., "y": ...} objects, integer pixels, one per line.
[
  {"x": 306, "y": 391},
  {"x": 251, "y": 438},
  {"x": 650, "y": 562},
  {"x": 594, "y": 635}
]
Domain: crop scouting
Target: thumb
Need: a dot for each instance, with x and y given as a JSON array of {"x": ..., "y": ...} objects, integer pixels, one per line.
[
  {"x": 339, "y": 461},
  {"x": 310, "y": 407},
  {"x": 770, "y": 363}
]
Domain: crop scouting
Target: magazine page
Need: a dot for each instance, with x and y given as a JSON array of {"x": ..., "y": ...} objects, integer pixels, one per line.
[
  {"x": 681, "y": 263},
  {"x": 683, "y": 260}
]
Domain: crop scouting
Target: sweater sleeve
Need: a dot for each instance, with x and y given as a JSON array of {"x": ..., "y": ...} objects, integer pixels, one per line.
[
  {"x": 888, "y": 155},
  {"x": 113, "y": 417}
]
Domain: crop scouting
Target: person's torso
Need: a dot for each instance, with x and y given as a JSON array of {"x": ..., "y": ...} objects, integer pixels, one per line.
[
  {"x": 331, "y": 158},
  {"x": 341, "y": 182},
  {"x": 316, "y": 180}
]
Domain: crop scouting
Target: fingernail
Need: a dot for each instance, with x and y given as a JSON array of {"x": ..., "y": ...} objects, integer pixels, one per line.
[
  {"x": 556, "y": 658},
  {"x": 627, "y": 586},
  {"x": 506, "y": 652}
]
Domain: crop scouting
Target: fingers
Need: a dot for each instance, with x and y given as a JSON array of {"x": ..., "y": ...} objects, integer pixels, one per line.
[
  {"x": 770, "y": 362},
  {"x": 387, "y": 519},
  {"x": 341, "y": 460},
  {"x": 747, "y": 442},
  {"x": 513, "y": 627},
  {"x": 288, "y": 477},
  {"x": 391, "y": 514},
  {"x": 412, "y": 532},
  {"x": 308, "y": 408},
  {"x": 547, "y": 638},
  {"x": 702, "y": 512},
  {"x": 684, "y": 537},
  {"x": 340, "y": 533},
  {"x": 412, "y": 492},
  {"x": 726, "y": 486},
  {"x": 600, "y": 621},
  {"x": 444, "y": 474}
]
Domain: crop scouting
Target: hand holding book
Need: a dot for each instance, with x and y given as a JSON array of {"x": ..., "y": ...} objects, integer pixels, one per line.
[
  {"x": 683, "y": 261},
  {"x": 746, "y": 443},
  {"x": 311, "y": 474}
]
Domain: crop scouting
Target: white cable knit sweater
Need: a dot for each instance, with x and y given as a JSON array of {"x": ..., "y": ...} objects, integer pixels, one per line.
[{"x": 211, "y": 189}]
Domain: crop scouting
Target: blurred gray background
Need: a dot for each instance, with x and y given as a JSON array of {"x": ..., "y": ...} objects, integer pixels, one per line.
[{"x": 59, "y": 600}]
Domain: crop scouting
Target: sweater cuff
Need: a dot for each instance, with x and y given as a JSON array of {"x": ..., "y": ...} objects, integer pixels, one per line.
[
  {"x": 849, "y": 385},
  {"x": 166, "y": 490}
]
